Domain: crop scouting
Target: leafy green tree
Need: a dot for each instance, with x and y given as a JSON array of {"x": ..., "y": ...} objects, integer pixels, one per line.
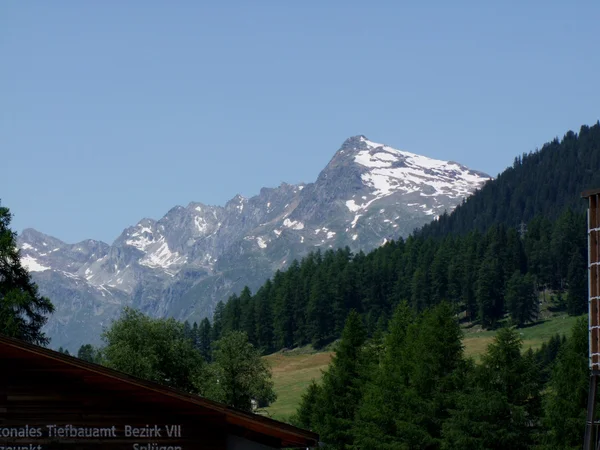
[
  {"x": 238, "y": 374},
  {"x": 153, "y": 349},
  {"x": 23, "y": 312},
  {"x": 565, "y": 404}
]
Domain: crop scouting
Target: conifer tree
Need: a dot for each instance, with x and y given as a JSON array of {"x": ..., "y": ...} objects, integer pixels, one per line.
[
  {"x": 187, "y": 331},
  {"x": 407, "y": 398},
  {"x": 577, "y": 294},
  {"x": 521, "y": 299},
  {"x": 319, "y": 313},
  {"x": 203, "y": 340},
  {"x": 248, "y": 315},
  {"x": 501, "y": 406},
  {"x": 194, "y": 335},
  {"x": 341, "y": 389},
  {"x": 264, "y": 319},
  {"x": 217, "y": 325},
  {"x": 23, "y": 311},
  {"x": 306, "y": 414},
  {"x": 89, "y": 353},
  {"x": 283, "y": 311},
  {"x": 232, "y": 315},
  {"x": 487, "y": 292},
  {"x": 566, "y": 402}
]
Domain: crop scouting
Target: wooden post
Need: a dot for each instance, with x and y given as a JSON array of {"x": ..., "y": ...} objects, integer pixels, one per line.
[{"x": 593, "y": 224}]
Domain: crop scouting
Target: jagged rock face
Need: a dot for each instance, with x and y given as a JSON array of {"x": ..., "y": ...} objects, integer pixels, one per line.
[{"x": 184, "y": 263}]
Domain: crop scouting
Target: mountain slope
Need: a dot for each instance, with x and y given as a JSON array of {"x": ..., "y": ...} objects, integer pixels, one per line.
[
  {"x": 194, "y": 256},
  {"x": 504, "y": 273},
  {"x": 543, "y": 182}
]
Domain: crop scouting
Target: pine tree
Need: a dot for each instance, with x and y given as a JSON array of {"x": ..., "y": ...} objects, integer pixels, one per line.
[
  {"x": 341, "y": 389},
  {"x": 194, "y": 335},
  {"x": 566, "y": 402},
  {"x": 283, "y": 311},
  {"x": 487, "y": 292},
  {"x": 187, "y": 331},
  {"x": 577, "y": 285},
  {"x": 23, "y": 312},
  {"x": 248, "y": 315},
  {"x": 264, "y": 319},
  {"x": 89, "y": 353},
  {"x": 306, "y": 414},
  {"x": 203, "y": 341},
  {"x": 501, "y": 404},
  {"x": 217, "y": 326},
  {"x": 521, "y": 299},
  {"x": 232, "y": 315},
  {"x": 407, "y": 398},
  {"x": 319, "y": 313}
]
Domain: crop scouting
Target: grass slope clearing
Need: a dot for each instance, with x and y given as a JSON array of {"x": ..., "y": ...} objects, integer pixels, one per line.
[{"x": 293, "y": 370}]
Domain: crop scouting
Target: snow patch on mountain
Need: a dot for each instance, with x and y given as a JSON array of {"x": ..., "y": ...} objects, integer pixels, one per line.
[
  {"x": 32, "y": 265},
  {"x": 163, "y": 257},
  {"x": 261, "y": 242},
  {"x": 142, "y": 238},
  {"x": 293, "y": 224},
  {"x": 201, "y": 224},
  {"x": 396, "y": 170}
]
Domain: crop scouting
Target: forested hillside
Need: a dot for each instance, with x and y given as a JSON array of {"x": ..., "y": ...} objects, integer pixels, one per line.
[
  {"x": 483, "y": 275},
  {"x": 543, "y": 182},
  {"x": 521, "y": 235},
  {"x": 412, "y": 387}
]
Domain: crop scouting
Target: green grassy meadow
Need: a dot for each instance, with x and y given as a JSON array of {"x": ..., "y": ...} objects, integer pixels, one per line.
[{"x": 294, "y": 370}]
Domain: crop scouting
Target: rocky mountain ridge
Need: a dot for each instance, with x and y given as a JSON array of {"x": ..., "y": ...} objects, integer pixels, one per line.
[{"x": 194, "y": 256}]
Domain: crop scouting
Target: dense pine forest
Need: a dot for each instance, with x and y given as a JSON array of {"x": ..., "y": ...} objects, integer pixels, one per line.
[
  {"x": 484, "y": 276},
  {"x": 520, "y": 238},
  {"x": 413, "y": 388},
  {"x": 541, "y": 183}
]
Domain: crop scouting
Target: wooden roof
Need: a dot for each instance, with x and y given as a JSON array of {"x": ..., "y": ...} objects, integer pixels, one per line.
[
  {"x": 588, "y": 193},
  {"x": 103, "y": 377}
]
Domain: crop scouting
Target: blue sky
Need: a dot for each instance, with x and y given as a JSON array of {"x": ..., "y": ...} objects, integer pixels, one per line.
[{"x": 114, "y": 111}]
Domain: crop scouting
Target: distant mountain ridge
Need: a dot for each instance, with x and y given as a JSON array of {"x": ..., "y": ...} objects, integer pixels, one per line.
[{"x": 183, "y": 263}]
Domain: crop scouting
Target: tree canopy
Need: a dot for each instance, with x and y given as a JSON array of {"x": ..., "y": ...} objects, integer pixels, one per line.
[
  {"x": 153, "y": 349},
  {"x": 23, "y": 311}
]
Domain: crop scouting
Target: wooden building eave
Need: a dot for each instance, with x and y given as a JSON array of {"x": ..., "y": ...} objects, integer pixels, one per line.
[{"x": 288, "y": 435}]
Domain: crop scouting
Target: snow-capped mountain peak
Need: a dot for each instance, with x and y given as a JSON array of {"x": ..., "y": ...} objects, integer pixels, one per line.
[{"x": 194, "y": 256}]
